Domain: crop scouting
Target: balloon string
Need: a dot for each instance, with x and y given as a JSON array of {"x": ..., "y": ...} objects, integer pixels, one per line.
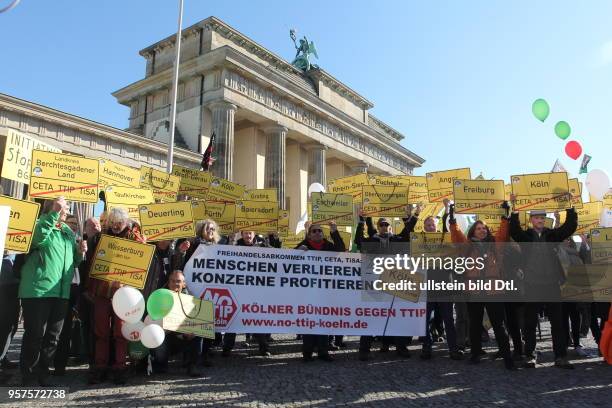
[{"x": 183, "y": 308}]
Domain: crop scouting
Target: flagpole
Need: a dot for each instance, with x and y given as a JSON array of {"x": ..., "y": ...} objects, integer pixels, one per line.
[{"x": 174, "y": 89}]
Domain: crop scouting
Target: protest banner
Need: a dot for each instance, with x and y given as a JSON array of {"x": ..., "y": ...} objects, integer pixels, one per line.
[
  {"x": 575, "y": 189},
  {"x": 384, "y": 201},
  {"x": 192, "y": 182},
  {"x": 165, "y": 186},
  {"x": 63, "y": 175},
  {"x": 349, "y": 185},
  {"x": 221, "y": 212},
  {"x": 115, "y": 174},
  {"x": 17, "y": 161},
  {"x": 167, "y": 221},
  {"x": 129, "y": 198},
  {"x": 22, "y": 220},
  {"x": 224, "y": 191},
  {"x": 542, "y": 191},
  {"x": 429, "y": 210},
  {"x": 417, "y": 189},
  {"x": 258, "y": 216},
  {"x": 262, "y": 194},
  {"x": 122, "y": 260},
  {"x": 479, "y": 196},
  {"x": 328, "y": 207},
  {"x": 440, "y": 183},
  {"x": 601, "y": 245},
  {"x": 283, "y": 223},
  {"x": 190, "y": 315},
  {"x": 269, "y": 290}
]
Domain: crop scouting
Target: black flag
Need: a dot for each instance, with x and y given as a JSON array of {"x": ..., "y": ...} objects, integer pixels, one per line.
[{"x": 207, "y": 159}]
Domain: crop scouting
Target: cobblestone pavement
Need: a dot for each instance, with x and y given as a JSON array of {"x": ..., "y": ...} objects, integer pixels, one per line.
[{"x": 283, "y": 380}]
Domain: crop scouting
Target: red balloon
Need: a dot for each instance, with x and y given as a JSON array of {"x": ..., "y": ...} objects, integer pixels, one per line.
[{"x": 573, "y": 149}]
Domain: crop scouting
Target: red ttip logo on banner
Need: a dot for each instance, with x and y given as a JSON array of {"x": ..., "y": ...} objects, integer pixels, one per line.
[{"x": 226, "y": 305}]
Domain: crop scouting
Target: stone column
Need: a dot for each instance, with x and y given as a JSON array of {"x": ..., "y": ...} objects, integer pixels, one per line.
[
  {"x": 318, "y": 165},
  {"x": 360, "y": 167},
  {"x": 223, "y": 126},
  {"x": 275, "y": 160}
]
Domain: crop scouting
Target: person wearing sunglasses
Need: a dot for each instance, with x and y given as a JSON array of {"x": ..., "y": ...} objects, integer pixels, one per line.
[{"x": 315, "y": 240}]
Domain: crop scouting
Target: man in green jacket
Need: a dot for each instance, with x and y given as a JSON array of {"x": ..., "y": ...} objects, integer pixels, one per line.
[{"x": 45, "y": 289}]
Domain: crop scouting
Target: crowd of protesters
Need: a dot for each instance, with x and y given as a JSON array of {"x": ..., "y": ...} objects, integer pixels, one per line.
[{"x": 50, "y": 288}]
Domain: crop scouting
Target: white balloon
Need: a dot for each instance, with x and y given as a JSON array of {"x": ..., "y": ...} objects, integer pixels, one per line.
[
  {"x": 128, "y": 304},
  {"x": 152, "y": 336},
  {"x": 462, "y": 222},
  {"x": 598, "y": 183},
  {"x": 148, "y": 321},
  {"x": 315, "y": 188},
  {"x": 131, "y": 331}
]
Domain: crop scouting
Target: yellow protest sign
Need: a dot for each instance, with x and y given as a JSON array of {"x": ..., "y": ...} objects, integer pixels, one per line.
[
  {"x": 507, "y": 191},
  {"x": 607, "y": 200},
  {"x": 396, "y": 278},
  {"x": 129, "y": 198},
  {"x": 601, "y": 245},
  {"x": 587, "y": 283},
  {"x": 115, "y": 174},
  {"x": 428, "y": 210},
  {"x": 22, "y": 220},
  {"x": 283, "y": 223},
  {"x": 575, "y": 189},
  {"x": 165, "y": 186},
  {"x": 384, "y": 201},
  {"x": 262, "y": 194},
  {"x": 258, "y": 216},
  {"x": 328, "y": 207},
  {"x": 349, "y": 185},
  {"x": 193, "y": 183},
  {"x": 417, "y": 189},
  {"x": 57, "y": 174},
  {"x": 479, "y": 196},
  {"x": 221, "y": 212},
  {"x": 222, "y": 190},
  {"x": 191, "y": 315},
  {"x": 440, "y": 183},
  {"x": 292, "y": 241},
  {"x": 18, "y": 155},
  {"x": 542, "y": 191},
  {"x": 588, "y": 216},
  {"x": 122, "y": 260},
  {"x": 387, "y": 181},
  {"x": 430, "y": 243},
  {"x": 492, "y": 221},
  {"x": 167, "y": 221}
]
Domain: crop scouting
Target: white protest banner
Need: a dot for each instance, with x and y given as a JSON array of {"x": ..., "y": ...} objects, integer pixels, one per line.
[
  {"x": 18, "y": 155},
  {"x": 268, "y": 290}
]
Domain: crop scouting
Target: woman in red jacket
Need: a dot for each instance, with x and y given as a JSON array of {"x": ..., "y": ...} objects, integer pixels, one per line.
[{"x": 481, "y": 243}]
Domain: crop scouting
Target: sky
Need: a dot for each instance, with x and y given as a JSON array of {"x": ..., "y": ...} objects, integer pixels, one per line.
[{"x": 457, "y": 78}]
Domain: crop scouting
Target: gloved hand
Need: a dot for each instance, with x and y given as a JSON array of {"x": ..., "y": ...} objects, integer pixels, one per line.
[{"x": 506, "y": 206}]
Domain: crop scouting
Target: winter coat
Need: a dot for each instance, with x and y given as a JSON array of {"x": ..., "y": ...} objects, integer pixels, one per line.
[{"x": 54, "y": 253}]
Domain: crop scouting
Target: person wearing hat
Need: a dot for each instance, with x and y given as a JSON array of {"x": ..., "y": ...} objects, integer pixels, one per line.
[
  {"x": 383, "y": 236},
  {"x": 543, "y": 275}
]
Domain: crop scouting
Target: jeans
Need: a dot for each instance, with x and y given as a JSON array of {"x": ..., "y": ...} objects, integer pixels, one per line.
[
  {"x": 105, "y": 319},
  {"x": 43, "y": 319},
  {"x": 63, "y": 347},
  {"x": 446, "y": 312},
  {"x": 9, "y": 316},
  {"x": 514, "y": 322}
]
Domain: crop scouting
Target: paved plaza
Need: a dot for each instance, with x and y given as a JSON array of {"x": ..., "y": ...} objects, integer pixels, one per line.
[{"x": 283, "y": 380}]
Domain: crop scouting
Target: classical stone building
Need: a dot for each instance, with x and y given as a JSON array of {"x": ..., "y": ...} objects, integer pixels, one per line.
[{"x": 276, "y": 125}]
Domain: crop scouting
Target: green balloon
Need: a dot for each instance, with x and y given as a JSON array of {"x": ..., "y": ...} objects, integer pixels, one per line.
[
  {"x": 160, "y": 303},
  {"x": 562, "y": 130},
  {"x": 540, "y": 109},
  {"x": 137, "y": 351}
]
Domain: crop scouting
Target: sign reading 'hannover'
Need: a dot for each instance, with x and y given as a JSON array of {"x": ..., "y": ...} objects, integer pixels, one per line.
[{"x": 267, "y": 290}]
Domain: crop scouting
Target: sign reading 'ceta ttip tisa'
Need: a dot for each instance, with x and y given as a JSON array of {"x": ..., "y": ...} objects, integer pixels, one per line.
[
  {"x": 63, "y": 175},
  {"x": 269, "y": 290}
]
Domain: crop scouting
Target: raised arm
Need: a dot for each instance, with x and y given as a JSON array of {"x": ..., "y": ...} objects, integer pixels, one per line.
[
  {"x": 516, "y": 231},
  {"x": 567, "y": 229}
]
